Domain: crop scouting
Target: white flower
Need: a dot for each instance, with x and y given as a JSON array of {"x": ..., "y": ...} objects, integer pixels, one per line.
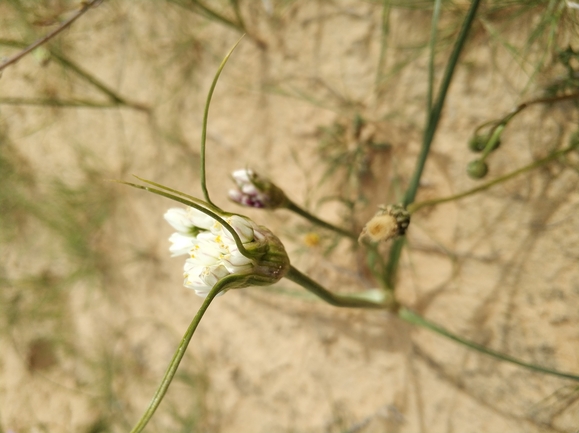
[
  {"x": 188, "y": 221},
  {"x": 214, "y": 254}
]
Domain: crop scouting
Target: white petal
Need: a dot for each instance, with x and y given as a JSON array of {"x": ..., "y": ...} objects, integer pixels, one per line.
[
  {"x": 212, "y": 274},
  {"x": 242, "y": 226},
  {"x": 200, "y": 219},
  {"x": 181, "y": 244},
  {"x": 178, "y": 218},
  {"x": 249, "y": 189},
  {"x": 242, "y": 176}
]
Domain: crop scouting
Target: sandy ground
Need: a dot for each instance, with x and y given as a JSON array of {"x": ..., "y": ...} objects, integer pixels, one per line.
[{"x": 499, "y": 268}]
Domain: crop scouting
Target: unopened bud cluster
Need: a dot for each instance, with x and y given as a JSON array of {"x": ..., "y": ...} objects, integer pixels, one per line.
[{"x": 256, "y": 191}]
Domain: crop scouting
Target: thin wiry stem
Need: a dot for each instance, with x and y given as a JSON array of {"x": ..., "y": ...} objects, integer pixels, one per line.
[
  {"x": 84, "y": 8},
  {"x": 414, "y": 318},
  {"x": 197, "y": 204},
  {"x": 387, "y": 302},
  {"x": 178, "y": 356},
  {"x": 522, "y": 106},
  {"x": 204, "y": 128},
  {"x": 54, "y": 102},
  {"x": 116, "y": 99},
  {"x": 416, "y": 206},
  {"x": 304, "y": 213}
]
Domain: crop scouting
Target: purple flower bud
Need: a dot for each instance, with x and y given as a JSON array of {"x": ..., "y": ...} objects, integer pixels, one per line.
[{"x": 256, "y": 191}]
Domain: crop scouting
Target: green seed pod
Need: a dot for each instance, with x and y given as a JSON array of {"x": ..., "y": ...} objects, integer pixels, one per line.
[
  {"x": 477, "y": 169},
  {"x": 478, "y": 143}
]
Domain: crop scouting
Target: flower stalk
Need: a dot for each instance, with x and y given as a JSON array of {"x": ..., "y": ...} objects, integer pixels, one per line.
[
  {"x": 375, "y": 299},
  {"x": 254, "y": 190},
  {"x": 177, "y": 357}
]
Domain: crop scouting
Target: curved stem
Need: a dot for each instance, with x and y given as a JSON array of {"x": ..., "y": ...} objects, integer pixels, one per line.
[
  {"x": 178, "y": 356},
  {"x": 204, "y": 127},
  {"x": 194, "y": 203},
  {"x": 377, "y": 299},
  {"x": 416, "y": 206},
  {"x": 414, "y": 318},
  {"x": 304, "y": 213}
]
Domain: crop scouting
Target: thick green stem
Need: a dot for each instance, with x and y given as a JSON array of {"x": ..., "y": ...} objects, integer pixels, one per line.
[
  {"x": 178, "y": 356},
  {"x": 431, "y": 125},
  {"x": 375, "y": 299},
  {"x": 436, "y": 111},
  {"x": 414, "y": 318},
  {"x": 433, "y": 32},
  {"x": 304, "y": 213},
  {"x": 416, "y": 206}
]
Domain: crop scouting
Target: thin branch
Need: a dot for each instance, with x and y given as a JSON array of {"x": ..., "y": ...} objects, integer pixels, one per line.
[
  {"x": 315, "y": 220},
  {"x": 416, "y": 206},
  {"x": 85, "y": 7}
]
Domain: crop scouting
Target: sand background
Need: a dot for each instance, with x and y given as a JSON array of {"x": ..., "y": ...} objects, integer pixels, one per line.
[{"x": 93, "y": 306}]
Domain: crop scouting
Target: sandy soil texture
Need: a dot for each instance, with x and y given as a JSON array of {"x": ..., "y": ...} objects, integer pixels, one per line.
[{"x": 326, "y": 98}]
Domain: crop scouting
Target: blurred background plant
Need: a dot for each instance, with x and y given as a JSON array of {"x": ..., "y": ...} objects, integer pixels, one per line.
[{"x": 327, "y": 99}]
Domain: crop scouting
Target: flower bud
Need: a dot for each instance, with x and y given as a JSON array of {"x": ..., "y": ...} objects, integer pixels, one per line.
[
  {"x": 390, "y": 221},
  {"x": 256, "y": 191},
  {"x": 214, "y": 254},
  {"x": 477, "y": 169}
]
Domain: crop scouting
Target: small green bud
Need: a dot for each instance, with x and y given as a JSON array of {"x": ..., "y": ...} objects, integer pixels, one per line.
[{"x": 477, "y": 169}]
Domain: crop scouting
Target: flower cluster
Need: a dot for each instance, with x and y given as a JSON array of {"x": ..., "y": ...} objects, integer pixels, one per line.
[
  {"x": 214, "y": 254},
  {"x": 256, "y": 191}
]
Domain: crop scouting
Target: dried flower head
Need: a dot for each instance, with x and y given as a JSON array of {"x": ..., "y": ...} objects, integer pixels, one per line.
[{"x": 389, "y": 222}]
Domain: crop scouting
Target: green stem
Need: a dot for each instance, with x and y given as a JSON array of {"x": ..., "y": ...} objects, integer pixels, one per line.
[
  {"x": 416, "y": 206},
  {"x": 194, "y": 203},
  {"x": 304, "y": 213},
  {"x": 67, "y": 63},
  {"x": 436, "y": 111},
  {"x": 377, "y": 300},
  {"x": 178, "y": 356},
  {"x": 491, "y": 144},
  {"x": 431, "y": 125},
  {"x": 433, "y": 32},
  {"x": 204, "y": 127},
  {"x": 414, "y": 318}
]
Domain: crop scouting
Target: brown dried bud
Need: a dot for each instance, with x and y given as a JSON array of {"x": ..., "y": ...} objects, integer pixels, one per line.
[{"x": 390, "y": 221}]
